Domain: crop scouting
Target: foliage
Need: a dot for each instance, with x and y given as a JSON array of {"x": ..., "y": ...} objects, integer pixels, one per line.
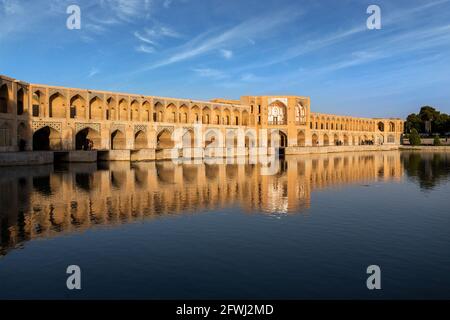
[
  {"x": 436, "y": 141},
  {"x": 414, "y": 138},
  {"x": 440, "y": 122}
]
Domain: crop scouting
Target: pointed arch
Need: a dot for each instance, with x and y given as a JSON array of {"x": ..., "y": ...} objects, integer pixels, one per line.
[
  {"x": 140, "y": 140},
  {"x": 184, "y": 114},
  {"x": 277, "y": 113},
  {"x": 206, "y": 111},
  {"x": 20, "y": 101},
  {"x": 146, "y": 111},
  {"x": 77, "y": 107},
  {"x": 123, "y": 110},
  {"x": 118, "y": 141},
  {"x": 188, "y": 139},
  {"x": 301, "y": 141},
  {"x": 159, "y": 112},
  {"x": 135, "y": 111},
  {"x": 37, "y": 103},
  {"x": 195, "y": 114},
  {"x": 326, "y": 140},
  {"x": 164, "y": 140},
  {"x": 96, "y": 108},
  {"x": 4, "y": 99},
  {"x": 315, "y": 140},
  {"x": 171, "y": 113},
  {"x": 87, "y": 139},
  {"x": 111, "y": 111},
  {"x": 46, "y": 139},
  {"x": 57, "y": 106}
]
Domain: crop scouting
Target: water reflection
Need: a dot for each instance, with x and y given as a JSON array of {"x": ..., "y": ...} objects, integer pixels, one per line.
[
  {"x": 427, "y": 169},
  {"x": 45, "y": 201}
]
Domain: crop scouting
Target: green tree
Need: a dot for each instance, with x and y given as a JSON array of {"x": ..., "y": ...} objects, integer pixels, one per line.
[
  {"x": 414, "y": 121},
  {"x": 428, "y": 113},
  {"x": 441, "y": 124},
  {"x": 436, "y": 141},
  {"x": 414, "y": 138}
]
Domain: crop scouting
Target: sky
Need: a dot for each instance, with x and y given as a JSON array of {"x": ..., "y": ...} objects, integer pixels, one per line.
[{"x": 205, "y": 49}]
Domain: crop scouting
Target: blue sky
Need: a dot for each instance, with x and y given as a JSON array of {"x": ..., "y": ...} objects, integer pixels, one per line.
[{"x": 203, "y": 49}]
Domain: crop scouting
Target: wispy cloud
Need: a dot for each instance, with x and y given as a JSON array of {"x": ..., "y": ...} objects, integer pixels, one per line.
[
  {"x": 205, "y": 43},
  {"x": 127, "y": 10},
  {"x": 210, "y": 73},
  {"x": 309, "y": 46},
  {"x": 145, "y": 49},
  {"x": 93, "y": 72},
  {"x": 144, "y": 38},
  {"x": 151, "y": 37}
]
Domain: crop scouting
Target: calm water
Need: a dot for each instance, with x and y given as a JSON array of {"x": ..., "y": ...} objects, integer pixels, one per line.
[{"x": 164, "y": 230}]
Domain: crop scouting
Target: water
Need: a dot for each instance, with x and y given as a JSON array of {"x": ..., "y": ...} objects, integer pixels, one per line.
[{"x": 164, "y": 230}]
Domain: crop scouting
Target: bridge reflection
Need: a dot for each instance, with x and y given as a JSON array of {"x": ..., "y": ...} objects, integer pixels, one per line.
[{"x": 46, "y": 201}]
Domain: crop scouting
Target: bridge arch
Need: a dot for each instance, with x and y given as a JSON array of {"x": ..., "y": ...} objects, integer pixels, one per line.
[
  {"x": 140, "y": 140},
  {"x": 118, "y": 141},
  {"x": 188, "y": 138},
  {"x": 301, "y": 141},
  {"x": 326, "y": 140},
  {"x": 87, "y": 139},
  {"x": 164, "y": 140},
  {"x": 315, "y": 140},
  {"x": 46, "y": 139}
]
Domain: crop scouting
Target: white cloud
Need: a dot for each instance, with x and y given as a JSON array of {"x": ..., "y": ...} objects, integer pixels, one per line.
[
  {"x": 305, "y": 47},
  {"x": 127, "y": 10},
  {"x": 93, "y": 72},
  {"x": 150, "y": 36},
  {"x": 251, "y": 28},
  {"x": 210, "y": 73},
  {"x": 159, "y": 32},
  {"x": 227, "y": 54},
  {"x": 145, "y": 49},
  {"x": 144, "y": 38}
]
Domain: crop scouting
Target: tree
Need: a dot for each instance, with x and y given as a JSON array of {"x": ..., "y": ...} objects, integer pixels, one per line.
[
  {"x": 436, "y": 141},
  {"x": 413, "y": 121},
  {"x": 414, "y": 138},
  {"x": 440, "y": 122},
  {"x": 429, "y": 114}
]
